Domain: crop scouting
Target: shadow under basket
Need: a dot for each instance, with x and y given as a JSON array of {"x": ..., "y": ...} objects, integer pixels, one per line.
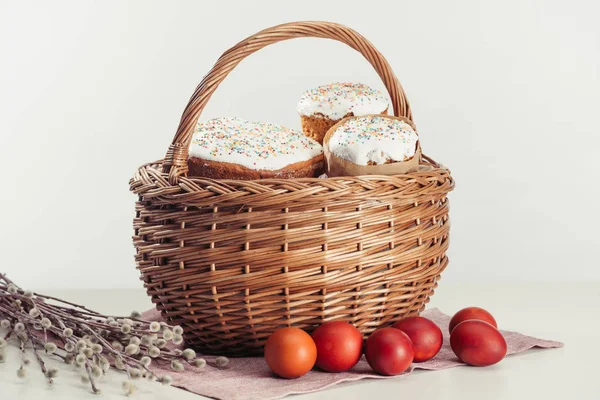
[{"x": 231, "y": 261}]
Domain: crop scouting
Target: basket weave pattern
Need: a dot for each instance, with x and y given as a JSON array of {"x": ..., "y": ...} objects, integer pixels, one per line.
[{"x": 233, "y": 260}]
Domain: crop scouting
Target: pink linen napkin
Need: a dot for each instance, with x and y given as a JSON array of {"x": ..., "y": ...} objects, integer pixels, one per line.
[{"x": 250, "y": 378}]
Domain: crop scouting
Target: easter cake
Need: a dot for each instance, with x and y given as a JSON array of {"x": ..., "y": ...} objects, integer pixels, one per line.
[
  {"x": 324, "y": 106},
  {"x": 372, "y": 144},
  {"x": 234, "y": 148}
]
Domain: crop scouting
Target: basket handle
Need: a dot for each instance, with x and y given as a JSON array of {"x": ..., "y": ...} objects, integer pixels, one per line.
[{"x": 175, "y": 162}]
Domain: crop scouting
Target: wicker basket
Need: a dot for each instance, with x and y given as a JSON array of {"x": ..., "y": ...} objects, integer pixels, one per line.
[{"x": 233, "y": 260}]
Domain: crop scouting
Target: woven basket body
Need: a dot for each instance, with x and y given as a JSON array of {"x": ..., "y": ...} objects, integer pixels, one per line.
[{"x": 233, "y": 260}]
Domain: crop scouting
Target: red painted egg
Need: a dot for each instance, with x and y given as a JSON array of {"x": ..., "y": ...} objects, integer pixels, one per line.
[
  {"x": 425, "y": 335},
  {"x": 389, "y": 351},
  {"x": 339, "y": 346},
  {"x": 472, "y": 313},
  {"x": 477, "y": 343}
]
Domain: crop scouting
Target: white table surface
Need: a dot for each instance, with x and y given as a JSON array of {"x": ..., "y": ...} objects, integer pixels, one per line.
[{"x": 568, "y": 312}]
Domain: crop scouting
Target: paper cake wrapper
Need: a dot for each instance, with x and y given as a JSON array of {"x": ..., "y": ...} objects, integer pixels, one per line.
[{"x": 337, "y": 166}]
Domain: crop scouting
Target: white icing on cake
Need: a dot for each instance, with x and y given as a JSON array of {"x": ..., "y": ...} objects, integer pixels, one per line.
[
  {"x": 374, "y": 138},
  {"x": 336, "y": 100},
  {"x": 255, "y": 145}
]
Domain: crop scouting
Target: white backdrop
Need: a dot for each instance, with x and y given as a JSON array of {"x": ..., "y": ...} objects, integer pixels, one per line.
[{"x": 505, "y": 93}]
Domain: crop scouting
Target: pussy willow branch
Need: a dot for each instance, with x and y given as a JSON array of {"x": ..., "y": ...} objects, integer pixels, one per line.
[{"x": 91, "y": 341}]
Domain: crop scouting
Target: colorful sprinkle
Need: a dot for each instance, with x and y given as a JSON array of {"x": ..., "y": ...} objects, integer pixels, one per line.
[
  {"x": 256, "y": 145},
  {"x": 336, "y": 100},
  {"x": 376, "y": 139}
]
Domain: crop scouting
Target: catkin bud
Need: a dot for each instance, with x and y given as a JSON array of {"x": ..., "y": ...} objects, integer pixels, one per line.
[
  {"x": 80, "y": 345},
  {"x": 69, "y": 347},
  {"x": 4, "y": 323},
  {"x": 50, "y": 347},
  {"x": 167, "y": 334},
  {"x": 117, "y": 346},
  {"x": 135, "y": 373},
  {"x": 135, "y": 340},
  {"x": 19, "y": 327},
  {"x": 67, "y": 332},
  {"x": 28, "y": 293},
  {"x": 177, "y": 339},
  {"x": 178, "y": 330},
  {"x": 21, "y": 372},
  {"x": 88, "y": 352},
  {"x": 132, "y": 349},
  {"x": 146, "y": 340},
  {"x": 69, "y": 358},
  {"x": 222, "y": 362},
  {"x": 104, "y": 363},
  {"x": 199, "y": 363},
  {"x": 154, "y": 352},
  {"x": 12, "y": 289},
  {"x": 96, "y": 348},
  {"x": 34, "y": 312},
  {"x": 189, "y": 354},
  {"x": 119, "y": 364},
  {"x": 22, "y": 336},
  {"x": 160, "y": 343},
  {"x": 154, "y": 326},
  {"x": 145, "y": 361},
  {"x": 80, "y": 359},
  {"x": 136, "y": 314},
  {"x": 166, "y": 380},
  {"x": 46, "y": 323},
  {"x": 125, "y": 328},
  {"x": 96, "y": 371},
  {"x": 2, "y": 343},
  {"x": 52, "y": 372},
  {"x": 177, "y": 366}
]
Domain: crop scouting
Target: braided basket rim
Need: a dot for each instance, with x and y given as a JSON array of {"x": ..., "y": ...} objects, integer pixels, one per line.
[{"x": 150, "y": 182}]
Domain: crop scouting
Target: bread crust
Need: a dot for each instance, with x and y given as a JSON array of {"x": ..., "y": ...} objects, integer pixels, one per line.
[
  {"x": 223, "y": 170},
  {"x": 317, "y": 125}
]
